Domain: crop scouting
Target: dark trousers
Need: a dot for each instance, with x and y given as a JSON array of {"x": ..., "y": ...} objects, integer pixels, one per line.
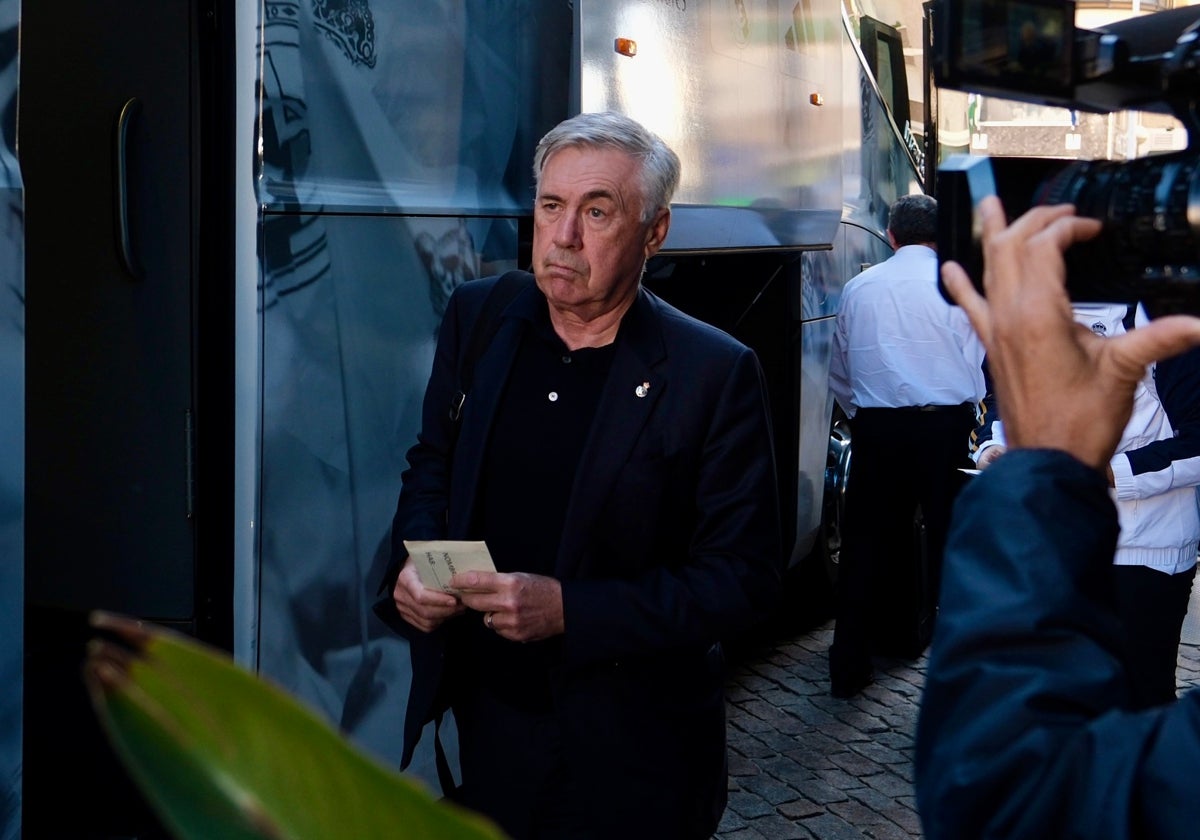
[
  {"x": 1152, "y": 606},
  {"x": 518, "y": 771},
  {"x": 902, "y": 459},
  {"x": 513, "y": 770}
]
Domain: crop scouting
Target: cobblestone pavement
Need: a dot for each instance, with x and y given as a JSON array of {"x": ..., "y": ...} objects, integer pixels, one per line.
[{"x": 805, "y": 765}]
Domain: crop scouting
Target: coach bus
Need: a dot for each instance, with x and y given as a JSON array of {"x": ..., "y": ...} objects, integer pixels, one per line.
[{"x": 231, "y": 230}]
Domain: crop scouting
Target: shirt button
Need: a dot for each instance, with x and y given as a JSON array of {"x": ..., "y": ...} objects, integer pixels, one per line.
[
  {"x": 552, "y": 396},
  {"x": 566, "y": 360}
]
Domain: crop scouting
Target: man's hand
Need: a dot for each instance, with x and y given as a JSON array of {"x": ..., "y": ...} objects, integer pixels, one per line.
[
  {"x": 1059, "y": 385},
  {"x": 520, "y": 607},
  {"x": 989, "y": 455},
  {"x": 423, "y": 608}
]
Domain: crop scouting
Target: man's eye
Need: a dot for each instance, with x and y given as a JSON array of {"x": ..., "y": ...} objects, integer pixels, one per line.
[{"x": 596, "y": 213}]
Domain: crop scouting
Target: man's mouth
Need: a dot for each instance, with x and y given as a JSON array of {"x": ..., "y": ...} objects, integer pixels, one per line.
[{"x": 562, "y": 267}]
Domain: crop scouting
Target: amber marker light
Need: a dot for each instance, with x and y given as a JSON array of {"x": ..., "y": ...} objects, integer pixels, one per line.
[{"x": 626, "y": 47}]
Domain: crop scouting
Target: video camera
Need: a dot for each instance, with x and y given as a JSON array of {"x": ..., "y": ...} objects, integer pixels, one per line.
[{"x": 1031, "y": 50}]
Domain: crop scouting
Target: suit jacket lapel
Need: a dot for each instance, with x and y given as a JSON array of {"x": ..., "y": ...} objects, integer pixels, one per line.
[{"x": 635, "y": 383}]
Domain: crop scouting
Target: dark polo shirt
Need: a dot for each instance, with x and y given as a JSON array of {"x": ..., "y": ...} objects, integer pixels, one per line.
[{"x": 544, "y": 418}]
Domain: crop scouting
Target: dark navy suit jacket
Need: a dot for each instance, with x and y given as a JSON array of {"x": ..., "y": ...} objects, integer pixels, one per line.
[
  {"x": 1023, "y": 731},
  {"x": 671, "y": 543}
]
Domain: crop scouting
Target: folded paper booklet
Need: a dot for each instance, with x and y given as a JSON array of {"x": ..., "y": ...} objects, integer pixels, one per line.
[{"x": 438, "y": 560}]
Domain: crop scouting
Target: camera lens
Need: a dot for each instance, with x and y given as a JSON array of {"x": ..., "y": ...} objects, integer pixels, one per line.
[{"x": 1150, "y": 246}]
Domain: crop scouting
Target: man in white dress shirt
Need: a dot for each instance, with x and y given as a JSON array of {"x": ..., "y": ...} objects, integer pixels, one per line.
[{"x": 906, "y": 369}]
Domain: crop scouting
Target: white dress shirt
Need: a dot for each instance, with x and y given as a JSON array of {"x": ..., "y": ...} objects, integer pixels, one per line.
[{"x": 898, "y": 343}]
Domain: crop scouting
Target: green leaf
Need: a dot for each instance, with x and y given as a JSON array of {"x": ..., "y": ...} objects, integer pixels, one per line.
[{"x": 220, "y": 753}]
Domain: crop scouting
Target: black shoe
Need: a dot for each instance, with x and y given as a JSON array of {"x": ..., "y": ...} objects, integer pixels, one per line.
[{"x": 848, "y": 679}]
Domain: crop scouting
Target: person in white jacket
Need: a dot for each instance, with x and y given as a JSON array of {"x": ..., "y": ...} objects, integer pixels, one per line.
[{"x": 1153, "y": 478}]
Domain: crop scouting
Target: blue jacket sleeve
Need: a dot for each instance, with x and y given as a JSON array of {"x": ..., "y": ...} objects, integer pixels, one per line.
[{"x": 1022, "y": 731}]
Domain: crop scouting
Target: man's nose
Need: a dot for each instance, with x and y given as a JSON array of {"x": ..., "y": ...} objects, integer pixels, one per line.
[{"x": 566, "y": 232}]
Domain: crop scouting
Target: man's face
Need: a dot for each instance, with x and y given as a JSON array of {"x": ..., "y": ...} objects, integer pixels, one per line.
[{"x": 589, "y": 243}]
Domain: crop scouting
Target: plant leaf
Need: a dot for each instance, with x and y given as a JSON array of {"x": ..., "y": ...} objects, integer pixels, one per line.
[{"x": 220, "y": 753}]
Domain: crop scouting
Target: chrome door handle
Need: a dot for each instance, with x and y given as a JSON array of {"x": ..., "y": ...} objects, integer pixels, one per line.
[{"x": 125, "y": 120}]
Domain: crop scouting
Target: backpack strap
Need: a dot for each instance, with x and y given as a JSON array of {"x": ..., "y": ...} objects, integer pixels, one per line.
[{"x": 482, "y": 333}]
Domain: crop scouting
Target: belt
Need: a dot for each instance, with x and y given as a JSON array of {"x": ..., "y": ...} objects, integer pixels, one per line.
[{"x": 923, "y": 408}]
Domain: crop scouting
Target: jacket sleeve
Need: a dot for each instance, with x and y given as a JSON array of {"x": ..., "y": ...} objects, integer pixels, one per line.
[
  {"x": 421, "y": 508},
  {"x": 1022, "y": 731},
  {"x": 424, "y": 494},
  {"x": 1175, "y": 461},
  {"x": 425, "y": 484}
]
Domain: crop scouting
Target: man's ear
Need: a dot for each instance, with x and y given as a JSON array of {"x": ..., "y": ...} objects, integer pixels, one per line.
[
  {"x": 656, "y": 234},
  {"x": 892, "y": 240}
]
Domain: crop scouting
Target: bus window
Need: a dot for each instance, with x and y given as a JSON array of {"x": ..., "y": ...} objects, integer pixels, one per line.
[{"x": 889, "y": 42}]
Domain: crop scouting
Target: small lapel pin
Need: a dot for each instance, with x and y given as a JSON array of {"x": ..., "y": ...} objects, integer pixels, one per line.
[{"x": 642, "y": 390}]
